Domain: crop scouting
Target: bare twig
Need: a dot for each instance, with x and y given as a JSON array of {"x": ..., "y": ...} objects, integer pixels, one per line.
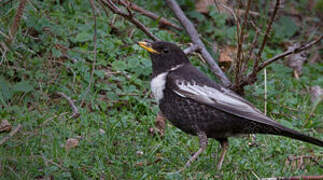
[
  {"x": 12, "y": 133},
  {"x": 190, "y": 29},
  {"x": 4, "y": 35},
  {"x": 240, "y": 58},
  {"x": 286, "y": 53},
  {"x": 16, "y": 21},
  {"x": 70, "y": 101},
  {"x": 162, "y": 21},
  {"x": 44, "y": 123},
  {"x": 251, "y": 77},
  {"x": 264, "y": 41},
  {"x": 230, "y": 10},
  {"x": 93, "y": 7},
  {"x": 191, "y": 49},
  {"x": 51, "y": 162},
  {"x": 251, "y": 48},
  {"x": 128, "y": 16}
]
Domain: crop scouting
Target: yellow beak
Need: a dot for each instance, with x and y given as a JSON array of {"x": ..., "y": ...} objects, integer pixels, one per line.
[{"x": 147, "y": 46}]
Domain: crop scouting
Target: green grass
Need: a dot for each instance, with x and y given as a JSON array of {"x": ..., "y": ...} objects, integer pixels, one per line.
[{"x": 120, "y": 104}]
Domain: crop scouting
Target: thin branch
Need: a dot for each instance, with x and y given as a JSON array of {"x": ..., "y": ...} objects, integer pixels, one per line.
[
  {"x": 51, "y": 162},
  {"x": 253, "y": 45},
  {"x": 12, "y": 133},
  {"x": 239, "y": 46},
  {"x": 4, "y": 35},
  {"x": 128, "y": 16},
  {"x": 192, "y": 32},
  {"x": 251, "y": 48},
  {"x": 162, "y": 21},
  {"x": 286, "y": 53},
  {"x": 191, "y": 49},
  {"x": 264, "y": 41},
  {"x": 70, "y": 101},
  {"x": 240, "y": 58},
  {"x": 251, "y": 78},
  {"x": 93, "y": 7}
]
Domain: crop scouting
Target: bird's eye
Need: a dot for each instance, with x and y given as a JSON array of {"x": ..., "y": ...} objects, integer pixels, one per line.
[{"x": 165, "y": 50}]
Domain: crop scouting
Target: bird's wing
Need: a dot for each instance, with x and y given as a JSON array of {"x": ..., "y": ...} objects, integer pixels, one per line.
[{"x": 219, "y": 98}]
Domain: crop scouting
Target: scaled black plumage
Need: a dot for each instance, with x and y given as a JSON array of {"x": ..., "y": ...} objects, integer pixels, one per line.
[{"x": 199, "y": 106}]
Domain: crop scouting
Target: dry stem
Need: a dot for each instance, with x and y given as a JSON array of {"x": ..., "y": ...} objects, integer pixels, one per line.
[
  {"x": 240, "y": 42},
  {"x": 93, "y": 7},
  {"x": 264, "y": 41},
  {"x": 128, "y": 16},
  {"x": 12, "y": 133},
  {"x": 70, "y": 101},
  {"x": 162, "y": 21}
]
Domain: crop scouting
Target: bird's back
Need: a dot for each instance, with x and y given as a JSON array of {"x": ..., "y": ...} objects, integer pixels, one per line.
[{"x": 191, "y": 116}]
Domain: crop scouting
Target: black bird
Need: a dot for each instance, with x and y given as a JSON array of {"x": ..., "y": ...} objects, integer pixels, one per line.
[{"x": 199, "y": 106}]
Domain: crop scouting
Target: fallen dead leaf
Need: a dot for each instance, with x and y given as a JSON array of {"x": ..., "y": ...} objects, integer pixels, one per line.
[
  {"x": 71, "y": 143},
  {"x": 5, "y": 126},
  {"x": 316, "y": 93},
  {"x": 202, "y": 6},
  {"x": 140, "y": 163},
  {"x": 160, "y": 125},
  {"x": 227, "y": 55},
  {"x": 296, "y": 61}
]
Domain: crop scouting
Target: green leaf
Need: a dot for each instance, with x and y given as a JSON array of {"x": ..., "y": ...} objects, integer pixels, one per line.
[
  {"x": 196, "y": 15},
  {"x": 99, "y": 73},
  {"x": 286, "y": 123},
  {"x": 56, "y": 53},
  {"x": 83, "y": 37},
  {"x": 5, "y": 90},
  {"x": 23, "y": 86},
  {"x": 119, "y": 65},
  {"x": 285, "y": 28}
]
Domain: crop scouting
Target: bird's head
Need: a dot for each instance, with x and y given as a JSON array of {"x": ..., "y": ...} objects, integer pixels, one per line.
[{"x": 164, "y": 55}]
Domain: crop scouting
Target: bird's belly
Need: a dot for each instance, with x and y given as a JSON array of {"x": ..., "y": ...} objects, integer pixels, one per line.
[{"x": 190, "y": 116}]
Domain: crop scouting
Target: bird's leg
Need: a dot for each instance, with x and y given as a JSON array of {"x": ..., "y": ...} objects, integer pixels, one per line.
[
  {"x": 224, "y": 146},
  {"x": 203, "y": 142}
]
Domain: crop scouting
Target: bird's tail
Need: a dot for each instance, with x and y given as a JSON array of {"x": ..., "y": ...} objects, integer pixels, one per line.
[{"x": 299, "y": 136}]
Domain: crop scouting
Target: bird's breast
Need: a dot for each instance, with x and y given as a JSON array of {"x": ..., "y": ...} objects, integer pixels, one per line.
[{"x": 157, "y": 85}]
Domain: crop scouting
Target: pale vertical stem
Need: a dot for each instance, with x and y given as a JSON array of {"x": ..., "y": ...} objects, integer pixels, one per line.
[{"x": 265, "y": 95}]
